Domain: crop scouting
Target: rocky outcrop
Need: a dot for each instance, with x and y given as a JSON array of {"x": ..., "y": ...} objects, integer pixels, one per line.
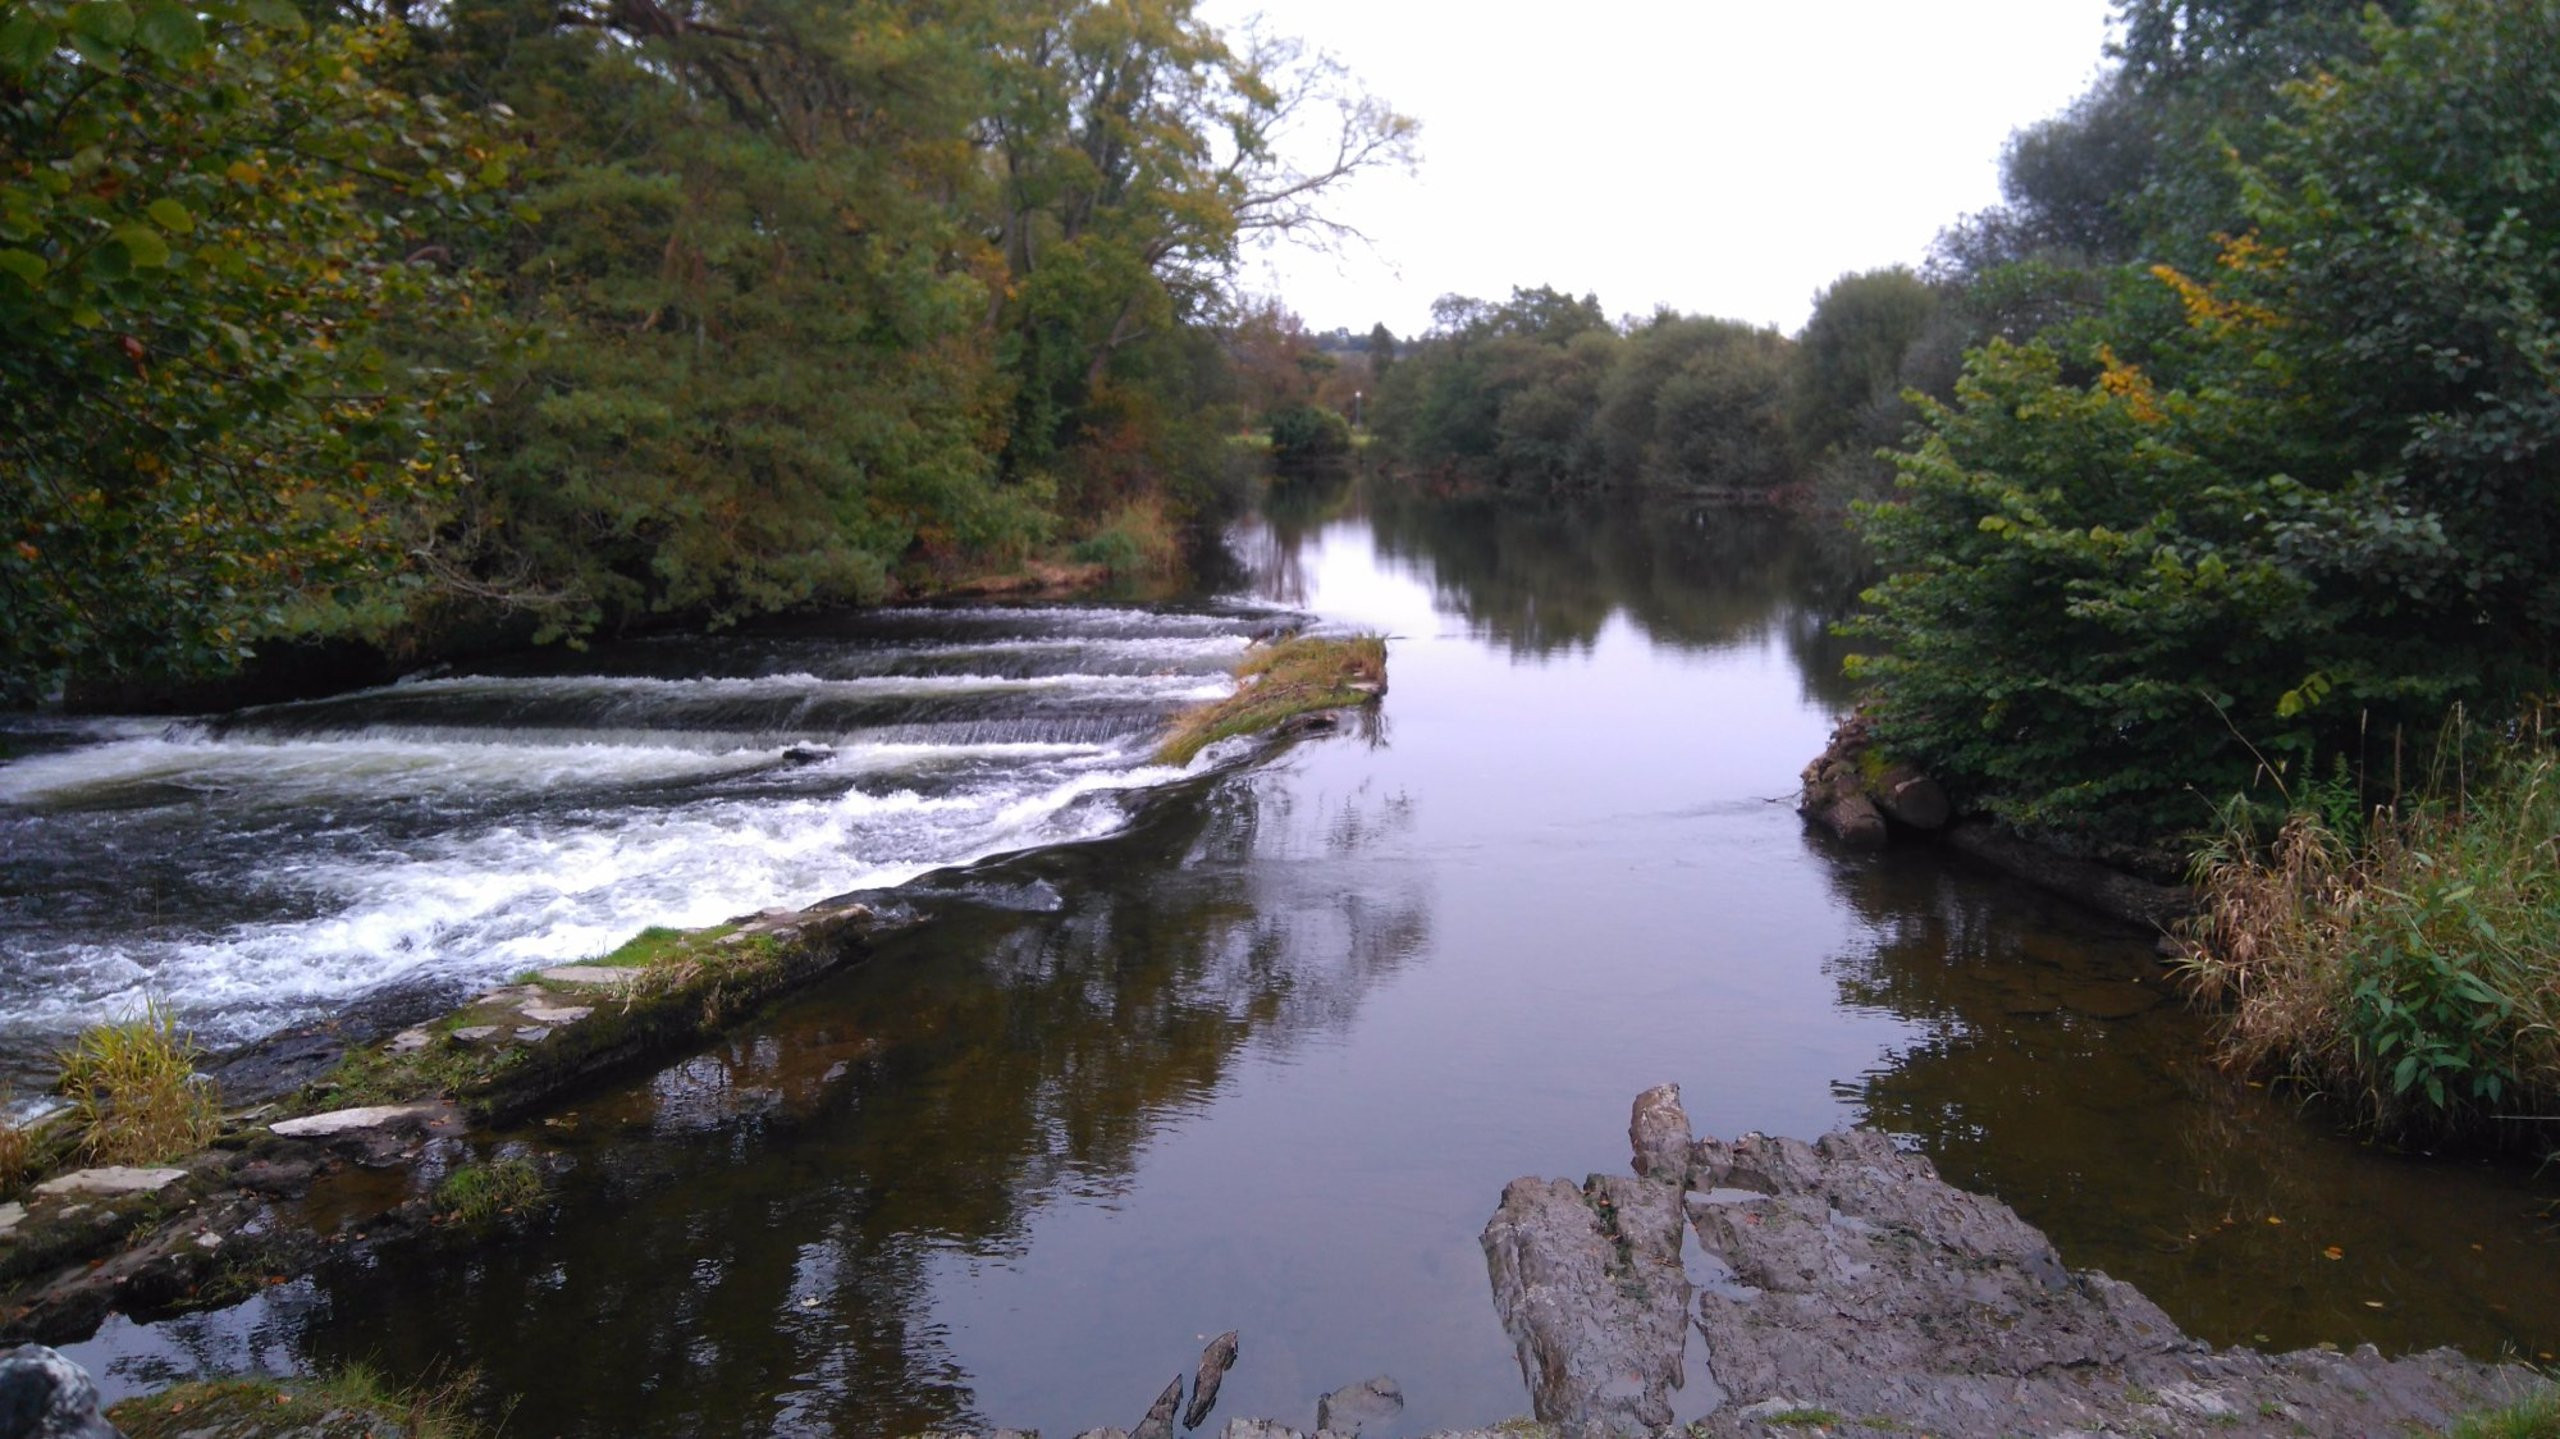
[
  {"x": 1843, "y": 1284},
  {"x": 1850, "y": 790},
  {"x": 1588, "y": 1282}
]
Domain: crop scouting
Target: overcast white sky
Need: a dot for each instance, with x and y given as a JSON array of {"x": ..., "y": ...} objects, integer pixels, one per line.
[{"x": 1717, "y": 157}]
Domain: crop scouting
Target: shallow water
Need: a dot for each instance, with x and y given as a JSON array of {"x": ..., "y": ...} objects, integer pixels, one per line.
[{"x": 1263, "y": 1058}]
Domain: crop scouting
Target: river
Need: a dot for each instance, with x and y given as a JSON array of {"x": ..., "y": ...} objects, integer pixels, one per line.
[{"x": 1257, "y": 1049}]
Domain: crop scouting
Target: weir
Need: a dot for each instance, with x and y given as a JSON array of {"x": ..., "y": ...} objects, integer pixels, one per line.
[{"x": 442, "y": 833}]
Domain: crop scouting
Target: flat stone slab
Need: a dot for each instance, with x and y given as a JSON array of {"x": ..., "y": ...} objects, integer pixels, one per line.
[
  {"x": 1845, "y": 1279},
  {"x": 11, "y": 1216},
  {"x": 609, "y": 975},
  {"x": 350, "y": 1121},
  {"x": 556, "y": 1014},
  {"x": 112, "y": 1180}
]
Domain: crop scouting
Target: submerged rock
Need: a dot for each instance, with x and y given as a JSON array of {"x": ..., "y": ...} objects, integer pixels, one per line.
[
  {"x": 1215, "y": 1361},
  {"x": 1353, "y": 1407}
]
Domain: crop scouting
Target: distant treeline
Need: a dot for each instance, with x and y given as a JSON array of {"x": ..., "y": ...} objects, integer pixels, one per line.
[
  {"x": 1542, "y": 391},
  {"x": 417, "y": 324},
  {"x": 2222, "y": 457}
]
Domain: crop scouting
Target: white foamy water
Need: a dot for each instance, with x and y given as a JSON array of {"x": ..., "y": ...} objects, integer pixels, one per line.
[{"x": 454, "y": 830}]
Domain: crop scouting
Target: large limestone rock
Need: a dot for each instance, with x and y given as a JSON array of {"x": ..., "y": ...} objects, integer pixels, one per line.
[{"x": 1844, "y": 1283}]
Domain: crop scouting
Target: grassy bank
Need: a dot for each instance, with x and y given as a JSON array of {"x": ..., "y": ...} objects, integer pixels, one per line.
[
  {"x": 2405, "y": 963},
  {"x": 1278, "y": 683}
]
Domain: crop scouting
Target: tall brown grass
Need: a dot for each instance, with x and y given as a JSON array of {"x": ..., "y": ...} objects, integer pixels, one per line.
[
  {"x": 133, "y": 1087},
  {"x": 2411, "y": 971}
]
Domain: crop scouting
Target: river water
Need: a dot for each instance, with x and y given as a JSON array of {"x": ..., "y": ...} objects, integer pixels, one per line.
[{"x": 1257, "y": 1049}]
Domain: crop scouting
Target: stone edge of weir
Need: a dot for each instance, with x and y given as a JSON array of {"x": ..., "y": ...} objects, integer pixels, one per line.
[{"x": 78, "y": 1244}]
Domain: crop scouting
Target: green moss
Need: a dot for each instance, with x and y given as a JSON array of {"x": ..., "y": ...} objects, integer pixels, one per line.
[
  {"x": 477, "y": 1196},
  {"x": 658, "y": 943},
  {"x": 1805, "y": 1418},
  {"x": 1277, "y": 684},
  {"x": 354, "y": 1403}
]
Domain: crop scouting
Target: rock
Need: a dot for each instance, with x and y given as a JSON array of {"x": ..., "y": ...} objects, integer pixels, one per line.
[
  {"x": 1659, "y": 1133},
  {"x": 1851, "y": 1279},
  {"x": 556, "y": 1014},
  {"x": 1911, "y": 798},
  {"x": 532, "y": 1034},
  {"x": 1348, "y": 1410},
  {"x": 1590, "y": 1288},
  {"x": 409, "y": 1041},
  {"x": 1159, "y": 1421},
  {"x": 112, "y": 1181},
  {"x": 1253, "y": 1429},
  {"x": 2110, "y": 892},
  {"x": 1215, "y": 1361},
  {"x": 1850, "y": 815},
  {"x": 473, "y": 1034},
  {"x": 393, "y": 1117},
  {"x": 45, "y": 1396},
  {"x": 11, "y": 1216},
  {"x": 609, "y": 975},
  {"x": 1104, "y": 1434}
]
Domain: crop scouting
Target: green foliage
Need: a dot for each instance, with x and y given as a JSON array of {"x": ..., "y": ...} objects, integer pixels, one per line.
[
  {"x": 2221, "y": 525},
  {"x": 1303, "y": 433},
  {"x": 211, "y": 220},
  {"x": 1278, "y": 683},
  {"x": 1848, "y": 376},
  {"x": 1541, "y": 392},
  {"x": 134, "y": 1091},
  {"x": 2414, "y": 971},
  {"x": 478, "y": 1196},
  {"x": 2536, "y": 1416}
]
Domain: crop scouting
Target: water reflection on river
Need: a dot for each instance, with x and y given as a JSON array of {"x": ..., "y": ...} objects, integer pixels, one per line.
[{"x": 1264, "y": 1060}]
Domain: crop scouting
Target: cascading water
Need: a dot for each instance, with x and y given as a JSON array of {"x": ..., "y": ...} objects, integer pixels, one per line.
[{"x": 453, "y": 829}]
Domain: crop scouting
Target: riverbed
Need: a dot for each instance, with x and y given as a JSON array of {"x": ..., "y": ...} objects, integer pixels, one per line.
[{"x": 1256, "y": 1049}]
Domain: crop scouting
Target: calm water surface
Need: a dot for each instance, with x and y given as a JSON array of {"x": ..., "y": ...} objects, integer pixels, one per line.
[{"x": 1263, "y": 1058}]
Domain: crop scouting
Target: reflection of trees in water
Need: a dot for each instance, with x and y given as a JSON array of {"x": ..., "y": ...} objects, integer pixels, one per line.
[
  {"x": 2121, "y": 1140},
  {"x": 1023, "y": 1042},
  {"x": 1542, "y": 577},
  {"x": 1294, "y": 507}
]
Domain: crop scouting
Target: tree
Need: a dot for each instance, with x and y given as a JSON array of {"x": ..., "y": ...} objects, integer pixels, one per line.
[
  {"x": 2245, "y": 517},
  {"x": 213, "y": 229}
]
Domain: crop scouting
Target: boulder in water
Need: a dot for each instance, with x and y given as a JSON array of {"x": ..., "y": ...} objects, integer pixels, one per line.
[{"x": 45, "y": 1396}]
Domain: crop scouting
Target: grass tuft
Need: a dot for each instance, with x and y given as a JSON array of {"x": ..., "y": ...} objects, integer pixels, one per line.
[
  {"x": 354, "y": 1403},
  {"x": 135, "y": 1093},
  {"x": 17, "y": 1150},
  {"x": 2411, "y": 971},
  {"x": 1278, "y": 683},
  {"x": 2537, "y": 1416},
  {"x": 476, "y": 1196}
]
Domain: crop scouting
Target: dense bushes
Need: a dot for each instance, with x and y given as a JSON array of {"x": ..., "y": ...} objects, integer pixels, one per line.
[{"x": 2252, "y": 512}]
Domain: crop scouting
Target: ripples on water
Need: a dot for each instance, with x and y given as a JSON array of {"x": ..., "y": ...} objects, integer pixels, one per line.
[{"x": 456, "y": 828}]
